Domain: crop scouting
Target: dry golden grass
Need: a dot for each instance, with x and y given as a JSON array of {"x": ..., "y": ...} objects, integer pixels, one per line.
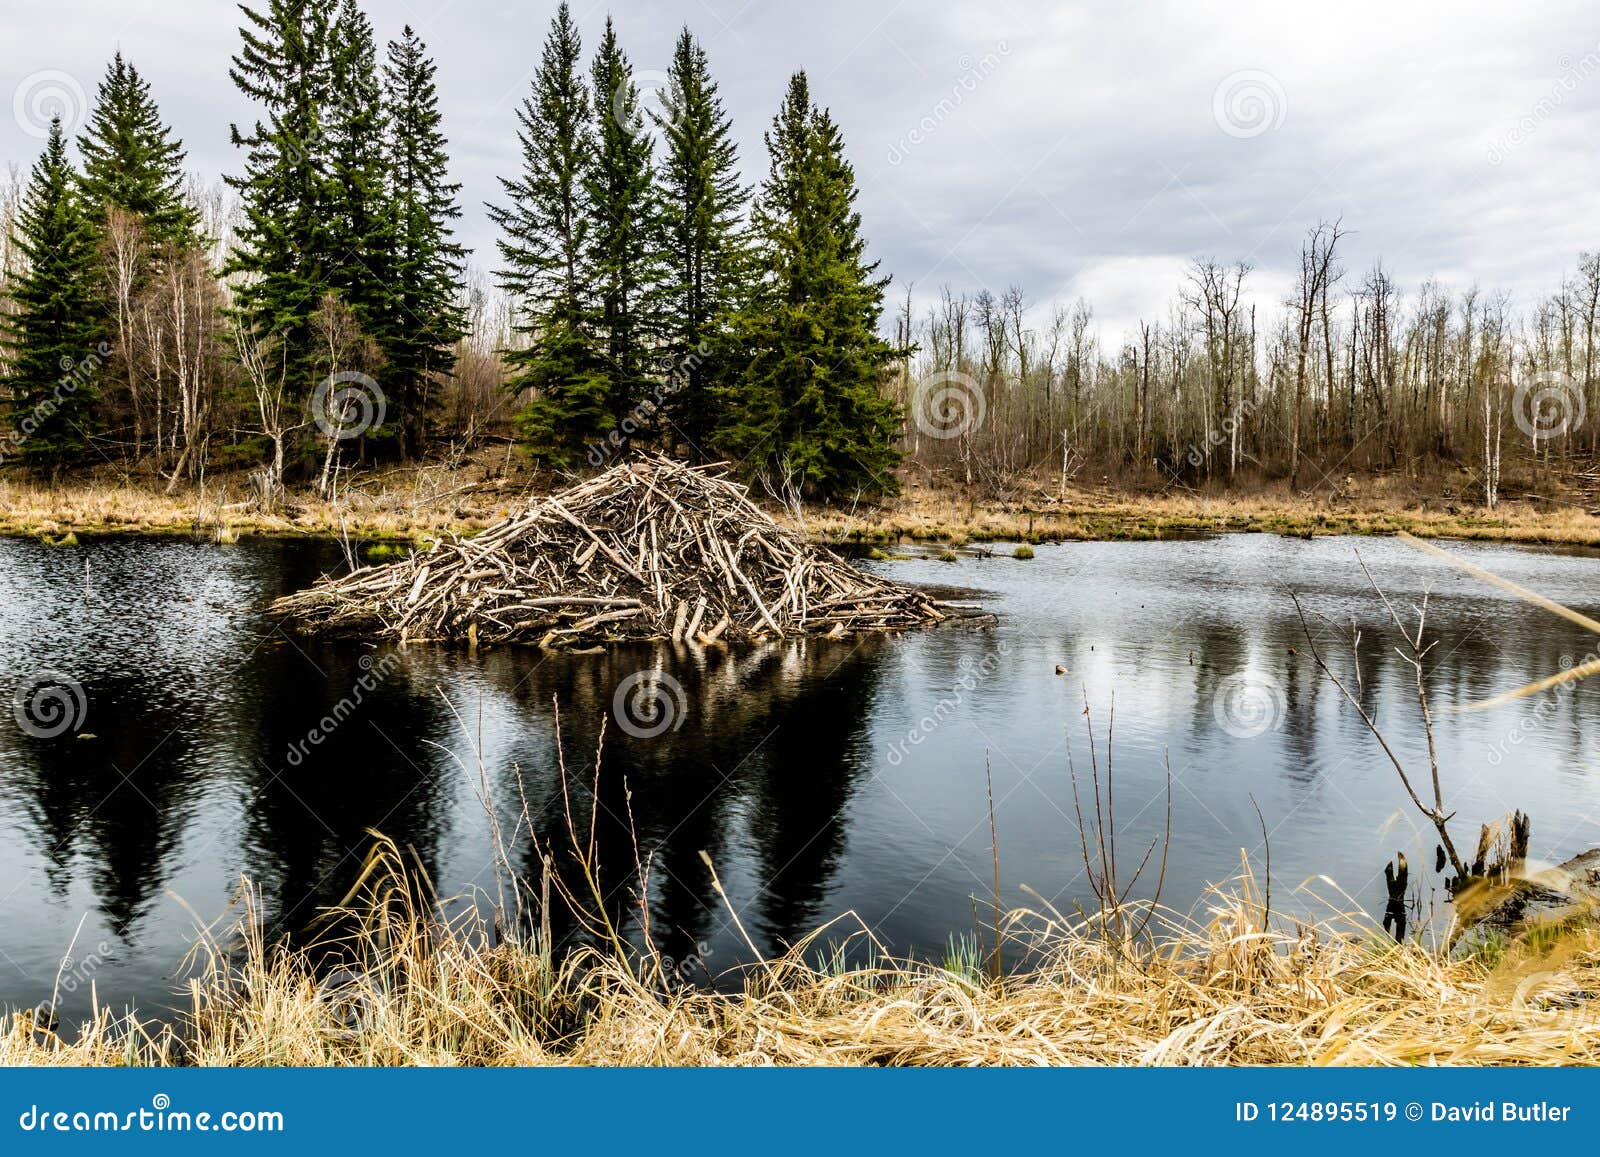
[
  {"x": 422, "y": 990},
  {"x": 407, "y": 507},
  {"x": 934, "y": 509},
  {"x": 420, "y": 501}
]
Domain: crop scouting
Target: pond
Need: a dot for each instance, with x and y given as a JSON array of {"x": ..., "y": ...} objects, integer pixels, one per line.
[{"x": 820, "y": 777}]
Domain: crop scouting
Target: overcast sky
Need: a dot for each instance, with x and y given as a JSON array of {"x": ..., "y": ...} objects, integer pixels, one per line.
[{"x": 1071, "y": 149}]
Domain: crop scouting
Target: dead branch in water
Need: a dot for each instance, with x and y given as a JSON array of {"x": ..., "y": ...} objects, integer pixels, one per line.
[{"x": 1414, "y": 654}]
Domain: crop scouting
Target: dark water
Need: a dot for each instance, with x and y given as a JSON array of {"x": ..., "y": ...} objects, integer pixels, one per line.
[{"x": 820, "y": 777}]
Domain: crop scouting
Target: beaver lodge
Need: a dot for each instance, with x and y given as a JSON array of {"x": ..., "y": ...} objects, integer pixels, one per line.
[{"x": 650, "y": 550}]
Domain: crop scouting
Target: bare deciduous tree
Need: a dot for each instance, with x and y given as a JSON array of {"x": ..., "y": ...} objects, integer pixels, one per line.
[
  {"x": 1318, "y": 274},
  {"x": 265, "y": 363},
  {"x": 342, "y": 346}
]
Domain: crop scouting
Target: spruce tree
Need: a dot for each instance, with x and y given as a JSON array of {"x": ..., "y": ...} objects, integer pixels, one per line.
[
  {"x": 622, "y": 254},
  {"x": 133, "y": 196},
  {"x": 810, "y": 397},
  {"x": 284, "y": 238},
  {"x": 54, "y": 333},
  {"x": 543, "y": 249},
  {"x": 426, "y": 265},
  {"x": 358, "y": 224},
  {"x": 701, "y": 199},
  {"x": 131, "y": 160}
]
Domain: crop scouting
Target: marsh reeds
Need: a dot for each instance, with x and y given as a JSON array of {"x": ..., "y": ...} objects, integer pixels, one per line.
[{"x": 419, "y": 988}]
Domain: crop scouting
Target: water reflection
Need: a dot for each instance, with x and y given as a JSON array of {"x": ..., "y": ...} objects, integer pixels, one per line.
[
  {"x": 339, "y": 750},
  {"x": 757, "y": 769},
  {"x": 109, "y": 797},
  {"x": 818, "y": 776}
]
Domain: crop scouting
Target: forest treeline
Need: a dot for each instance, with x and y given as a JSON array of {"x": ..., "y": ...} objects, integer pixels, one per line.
[
  {"x": 1348, "y": 377},
  {"x": 319, "y": 311},
  {"x": 316, "y": 311}
]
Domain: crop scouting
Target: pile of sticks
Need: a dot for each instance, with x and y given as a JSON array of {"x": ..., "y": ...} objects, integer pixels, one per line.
[{"x": 650, "y": 550}]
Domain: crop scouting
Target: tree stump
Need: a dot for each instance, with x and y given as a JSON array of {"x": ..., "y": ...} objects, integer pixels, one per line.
[{"x": 1396, "y": 875}]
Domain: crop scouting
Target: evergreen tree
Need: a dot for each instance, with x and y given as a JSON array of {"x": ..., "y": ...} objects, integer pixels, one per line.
[
  {"x": 131, "y": 160},
  {"x": 426, "y": 264},
  {"x": 284, "y": 239},
  {"x": 54, "y": 333},
  {"x": 358, "y": 224},
  {"x": 132, "y": 187},
  {"x": 543, "y": 250},
  {"x": 811, "y": 395},
  {"x": 622, "y": 254},
  {"x": 701, "y": 199}
]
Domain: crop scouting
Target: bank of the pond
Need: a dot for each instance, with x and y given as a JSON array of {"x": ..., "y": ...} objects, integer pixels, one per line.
[
  {"x": 1245, "y": 989},
  {"x": 398, "y": 508}
]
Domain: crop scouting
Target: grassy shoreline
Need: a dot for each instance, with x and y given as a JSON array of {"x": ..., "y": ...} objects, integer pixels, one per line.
[
  {"x": 407, "y": 509},
  {"x": 1247, "y": 987}
]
